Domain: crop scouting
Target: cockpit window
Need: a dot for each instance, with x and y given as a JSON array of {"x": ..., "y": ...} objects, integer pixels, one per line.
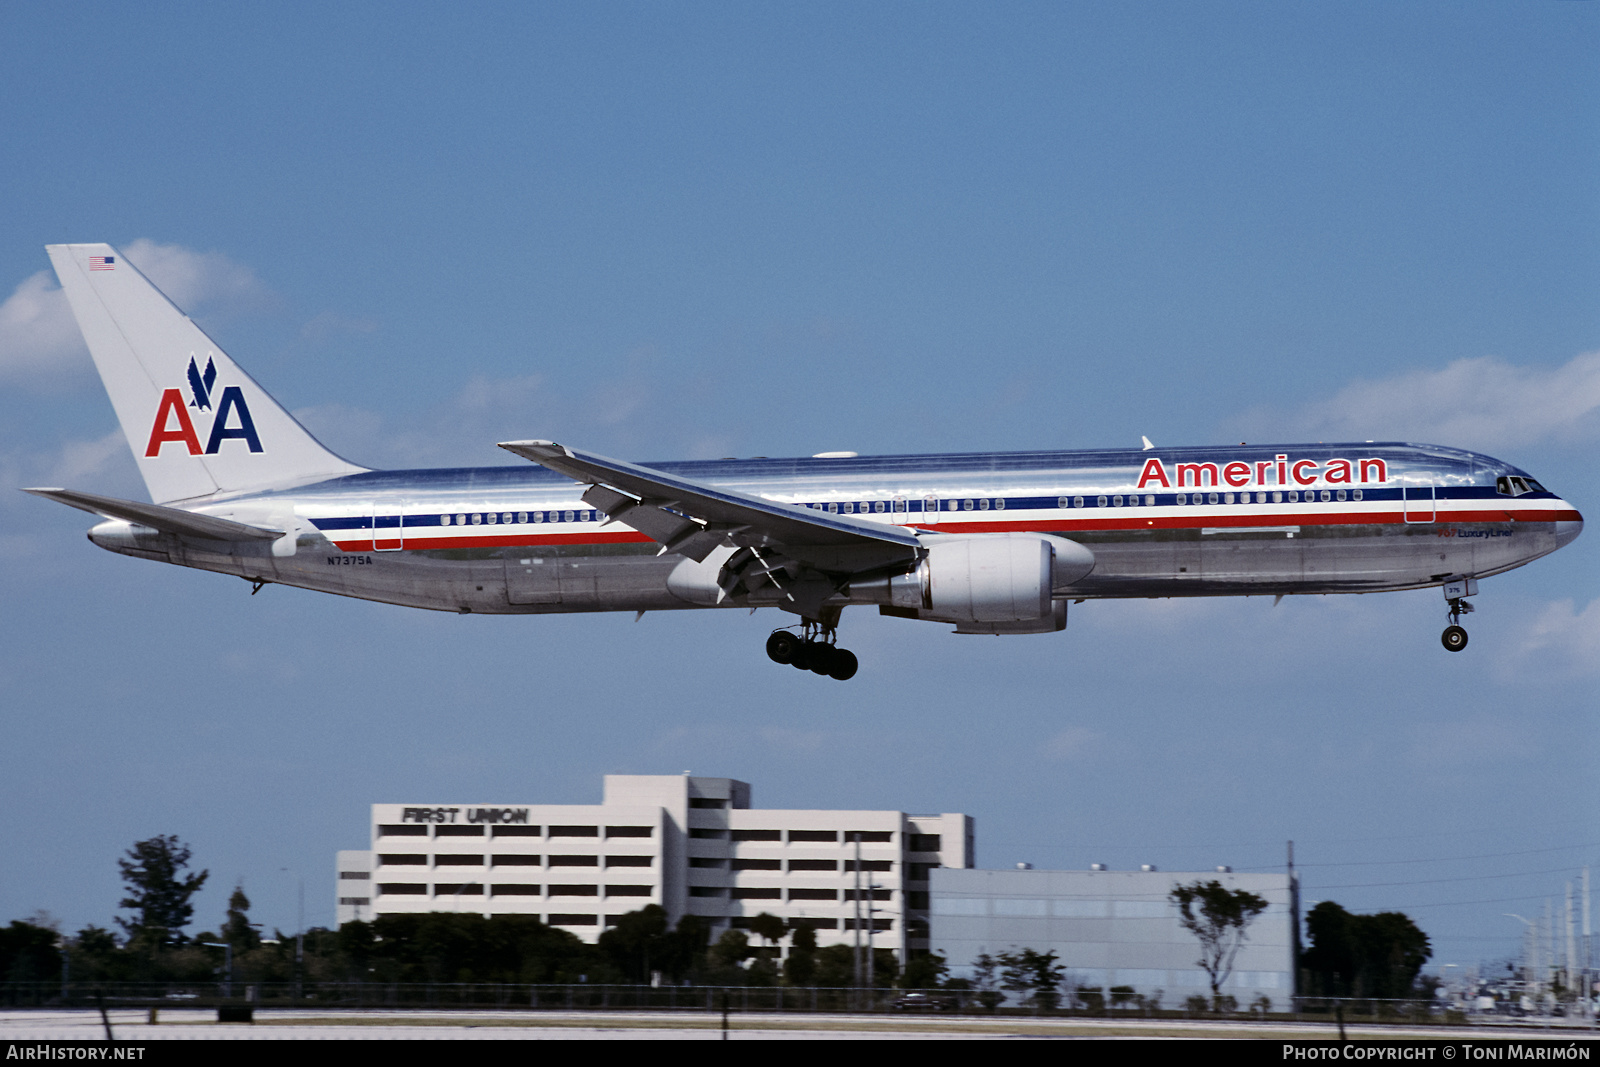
[{"x": 1515, "y": 485}]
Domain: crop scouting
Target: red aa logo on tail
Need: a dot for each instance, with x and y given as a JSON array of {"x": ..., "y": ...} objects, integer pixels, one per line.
[{"x": 173, "y": 424}]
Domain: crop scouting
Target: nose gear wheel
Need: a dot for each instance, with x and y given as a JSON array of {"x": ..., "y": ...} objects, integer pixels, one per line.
[{"x": 1454, "y": 637}]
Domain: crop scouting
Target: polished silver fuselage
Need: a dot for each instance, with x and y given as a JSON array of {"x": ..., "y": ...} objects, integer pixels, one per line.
[{"x": 521, "y": 540}]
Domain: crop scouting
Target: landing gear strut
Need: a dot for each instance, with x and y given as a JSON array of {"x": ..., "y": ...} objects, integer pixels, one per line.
[
  {"x": 1454, "y": 637},
  {"x": 814, "y": 650}
]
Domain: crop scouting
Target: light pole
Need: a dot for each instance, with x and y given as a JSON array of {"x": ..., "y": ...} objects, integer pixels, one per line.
[
  {"x": 299, "y": 928},
  {"x": 227, "y": 965},
  {"x": 857, "y": 896},
  {"x": 1530, "y": 953}
]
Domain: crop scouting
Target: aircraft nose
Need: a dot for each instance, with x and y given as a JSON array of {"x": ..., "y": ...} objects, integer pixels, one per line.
[{"x": 1567, "y": 531}]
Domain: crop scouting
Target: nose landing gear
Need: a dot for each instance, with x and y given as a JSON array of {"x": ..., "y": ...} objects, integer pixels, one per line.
[
  {"x": 814, "y": 650},
  {"x": 1454, "y": 637}
]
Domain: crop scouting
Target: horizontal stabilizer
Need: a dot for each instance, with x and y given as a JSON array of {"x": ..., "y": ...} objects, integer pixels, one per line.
[{"x": 167, "y": 520}]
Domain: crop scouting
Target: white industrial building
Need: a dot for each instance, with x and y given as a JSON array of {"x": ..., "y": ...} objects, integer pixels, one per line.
[
  {"x": 692, "y": 845},
  {"x": 1111, "y": 928}
]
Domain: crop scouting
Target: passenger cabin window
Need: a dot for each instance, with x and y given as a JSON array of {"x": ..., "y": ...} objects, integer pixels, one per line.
[
  {"x": 1077, "y": 501},
  {"x": 1100, "y": 501},
  {"x": 983, "y": 505},
  {"x": 966, "y": 505}
]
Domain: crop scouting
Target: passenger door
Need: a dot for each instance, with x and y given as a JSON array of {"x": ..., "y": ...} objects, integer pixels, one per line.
[
  {"x": 1417, "y": 503},
  {"x": 388, "y": 527}
]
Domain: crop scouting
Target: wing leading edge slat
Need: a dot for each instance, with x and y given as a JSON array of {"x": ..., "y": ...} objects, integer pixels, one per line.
[{"x": 691, "y": 518}]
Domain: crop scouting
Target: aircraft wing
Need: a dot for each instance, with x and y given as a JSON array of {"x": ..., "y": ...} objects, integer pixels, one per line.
[
  {"x": 167, "y": 520},
  {"x": 691, "y": 519}
]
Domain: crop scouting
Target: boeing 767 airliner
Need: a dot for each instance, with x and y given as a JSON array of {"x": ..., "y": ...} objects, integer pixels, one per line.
[{"x": 994, "y": 543}]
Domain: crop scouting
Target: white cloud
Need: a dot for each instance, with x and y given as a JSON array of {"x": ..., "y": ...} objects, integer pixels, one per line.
[
  {"x": 1561, "y": 639},
  {"x": 331, "y": 324},
  {"x": 39, "y": 339},
  {"x": 1478, "y": 739},
  {"x": 1070, "y": 742},
  {"x": 808, "y": 742},
  {"x": 1483, "y": 403},
  {"x": 83, "y": 462},
  {"x": 207, "y": 282},
  {"x": 460, "y": 429}
]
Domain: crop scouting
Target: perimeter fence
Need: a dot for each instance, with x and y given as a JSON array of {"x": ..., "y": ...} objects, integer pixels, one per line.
[{"x": 514, "y": 996}]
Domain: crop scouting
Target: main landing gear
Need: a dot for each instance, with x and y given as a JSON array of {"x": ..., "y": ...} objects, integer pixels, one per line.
[
  {"x": 813, "y": 650},
  {"x": 1454, "y": 637}
]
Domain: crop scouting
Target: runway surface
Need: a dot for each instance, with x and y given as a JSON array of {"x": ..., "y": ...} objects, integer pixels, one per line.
[{"x": 179, "y": 1024}]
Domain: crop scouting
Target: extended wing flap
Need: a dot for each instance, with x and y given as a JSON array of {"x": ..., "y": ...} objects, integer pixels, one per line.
[
  {"x": 167, "y": 520},
  {"x": 690, "y": 517}
]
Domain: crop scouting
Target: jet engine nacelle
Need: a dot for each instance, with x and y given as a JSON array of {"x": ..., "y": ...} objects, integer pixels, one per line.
[
  {"x": 1004, "y": 578},
  {"x": 985, "y": 578}
]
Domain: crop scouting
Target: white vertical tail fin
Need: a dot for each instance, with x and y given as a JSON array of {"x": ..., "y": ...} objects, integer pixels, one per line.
[{"x": 197, "y": 424}]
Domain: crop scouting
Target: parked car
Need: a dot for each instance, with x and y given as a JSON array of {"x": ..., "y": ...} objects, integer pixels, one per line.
[{"x": 924, "y": 1002}]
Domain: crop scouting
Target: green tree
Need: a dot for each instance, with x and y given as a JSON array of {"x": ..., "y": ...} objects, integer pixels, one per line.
[
  {"x": 28, "y": 953},
  {"x": 836, "y": 966},
  {"x": 158, "y": 892},
  {"x": 237, "y": 931},
  {"x": 1363, "y": 955},
  {"x": 986, "y": 980},
  {"x": 638, "y": 943},
  {"x": 925, "y": 970},
  {"x": 1218, "y": 917},
  {"x": 684, "y": 951},
  {"x": 726, "y": 956},
  {"x": 1033, "y": 972},
  {"x": 800, "y": 969},
  {"x": 769, "y": 928},
  {"x": 763, "y": 969}
]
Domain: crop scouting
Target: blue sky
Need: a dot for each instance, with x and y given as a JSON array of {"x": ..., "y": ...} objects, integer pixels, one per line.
[{"x": 695, "y": 230}]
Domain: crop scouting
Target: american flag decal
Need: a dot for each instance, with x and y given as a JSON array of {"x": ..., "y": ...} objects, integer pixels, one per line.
[{"x": 102, "y": 262}]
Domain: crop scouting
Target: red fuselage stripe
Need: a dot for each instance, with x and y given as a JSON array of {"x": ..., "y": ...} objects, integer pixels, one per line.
[{"x": 1392, "y": 517}]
